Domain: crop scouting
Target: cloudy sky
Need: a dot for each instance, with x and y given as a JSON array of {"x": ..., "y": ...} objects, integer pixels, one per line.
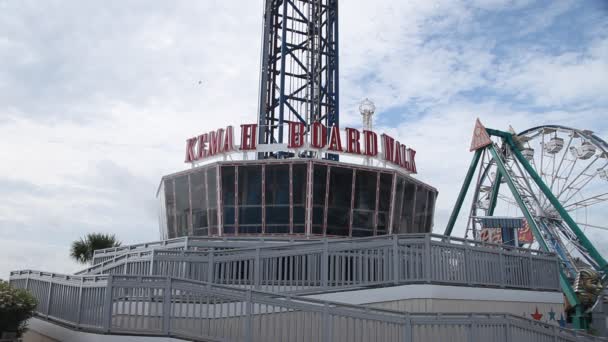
[{"x": 98, "y": 97}]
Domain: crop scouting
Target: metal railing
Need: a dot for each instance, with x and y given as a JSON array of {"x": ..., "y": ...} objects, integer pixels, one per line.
[
  {"x": 347, "y": 263},
  {"x": 186, "y": 242},
  {"x": 199, "y": 311}
]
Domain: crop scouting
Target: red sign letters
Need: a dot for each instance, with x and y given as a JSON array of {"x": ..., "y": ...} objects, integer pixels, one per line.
[{"x": 353, "y": 141}]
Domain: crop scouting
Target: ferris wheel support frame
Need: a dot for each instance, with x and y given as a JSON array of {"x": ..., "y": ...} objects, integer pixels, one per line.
[{"x": 579, "y": 319}]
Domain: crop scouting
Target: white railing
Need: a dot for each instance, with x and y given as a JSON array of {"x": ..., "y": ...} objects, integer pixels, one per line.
[
  {"x": 347, "y": 263},
  {"x": 199, "y": 311}
]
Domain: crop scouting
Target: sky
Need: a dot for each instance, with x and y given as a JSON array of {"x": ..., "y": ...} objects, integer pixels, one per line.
[{"x": 97, "y": 98}]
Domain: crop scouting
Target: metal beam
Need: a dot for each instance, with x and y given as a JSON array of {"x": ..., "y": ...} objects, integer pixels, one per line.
[
  {"x": 463, "y": 192},
  {"x": 565, "y": 284}
]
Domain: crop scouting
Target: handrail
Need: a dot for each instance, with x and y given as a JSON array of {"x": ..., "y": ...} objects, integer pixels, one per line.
[
  {"x": 196, "y": 310},
  {"x": 310, "y": 267}
]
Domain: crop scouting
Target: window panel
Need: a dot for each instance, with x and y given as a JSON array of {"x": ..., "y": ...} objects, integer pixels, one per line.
[
  {"x": 199, "y": 200},
  {"x": 250, "y": 215},
  {"x": 382, "y": 223},
  {"x": 250, "y": 185},
  {"x": 170, "y": 206},
  {"x": 365, "y": 190},
  {"x": 407, "y": 209},
  {"x": 363, "y": 219},
  {"x": 277, "y": 215},
  {"x": 430, "y": 210},
  {"x": 277, "y": 185},
  {"x": 398, "y": 206},
  {"x": 212, "y": 196},
  {"x": 319, "y": 183},
  {"x": 340, "y": 190},
  {"x": 212, "y": 187},
  {"x": 228, "y": 185},
  {"x": 420, "y": 209},
  {"x": 182, "y": 205},
  {"x": 299, "y": 183},
  {"x": 340, "y": 187},
  {"x": 386, "y": 183},
  {"x": 299, "y": 214}
]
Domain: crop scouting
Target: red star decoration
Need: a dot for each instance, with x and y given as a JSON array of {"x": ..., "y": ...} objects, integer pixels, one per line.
[{"x": 537, "y": 315}]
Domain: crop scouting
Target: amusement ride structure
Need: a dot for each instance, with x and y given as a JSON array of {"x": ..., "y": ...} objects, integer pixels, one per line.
[{"x": 550, "y": 181}]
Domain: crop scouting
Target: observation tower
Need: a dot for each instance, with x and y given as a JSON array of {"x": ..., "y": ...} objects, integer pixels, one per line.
[{"x": 285, "y": 177}]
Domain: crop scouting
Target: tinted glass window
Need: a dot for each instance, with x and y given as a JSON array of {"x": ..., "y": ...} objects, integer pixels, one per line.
[
  {"x": 182, "y": 205},
  {"x": 430, "y": 212},
  {"x": 365, "y": 190},
  {"x": 340, "y": 190},
  {"x": 299, "y": 184},
  {"x": 170, "y": 206},
  {"x": 277, "y": 184},
  {"x": 212, "y": 197},
  {"x": 199, "y": 202},
  {"x": 398, "y": 203},
  {"x": 250, "y": 199},
  {"x": 250, "y": 185},
  {"x": 420, "y": 209},
  {"x": 319, "y": 183},
  {"x": 407, "y": 208},
  {"x": 386, "y": 183},
  {"x": 228, "y": 191},
  {"x": 340, "y": 187},
  {"x": 228, "y": 185}
]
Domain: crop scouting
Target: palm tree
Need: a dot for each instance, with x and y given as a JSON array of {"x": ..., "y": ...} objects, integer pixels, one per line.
[{"x": 82, "y": 250}]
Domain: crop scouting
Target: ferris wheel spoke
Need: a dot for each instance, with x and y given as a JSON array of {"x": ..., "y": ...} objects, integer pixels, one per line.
[
  {"x": 559, "y": 166},
  {"x": 591, "y": 226},
  {"x": 577, "y": 177},
  {"x": 587, "y": 202}
]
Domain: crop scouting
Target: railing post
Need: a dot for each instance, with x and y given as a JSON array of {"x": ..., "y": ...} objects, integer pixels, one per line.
[
  {"x": 48, "y": 298},
  {"x": 167, "y": 307},
  {"x": 472, "y": 330},
  {"x": 427, "y": 258},
  {"x": 79, "y": 312},
  {"x": 326, "y": 324},
  {"x": 508, "y": 329},
  {"x": 407, "y": 328},
  {"x": 107, "y": 323},
  {"x": 152, "y": 263},
  {"x": 531, "y": 273},
  {"x": 396, "y": 259},
  {"x": 248, "y": 329},
  {"x": 324, "y": 264},
  {"x": 467, "y": 266},
  {"x": 210, "y": 267},
  {"x": 256, "y": 269},
  {"x": 501, "y": 262}
]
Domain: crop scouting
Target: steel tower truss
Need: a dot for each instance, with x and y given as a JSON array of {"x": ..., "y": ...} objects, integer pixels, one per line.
[{"x": 299, "y": 72}]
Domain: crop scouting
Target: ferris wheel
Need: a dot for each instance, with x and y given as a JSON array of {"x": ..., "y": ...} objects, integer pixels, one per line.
[
  {"x": 573, "y": 164},
  {"x": 545, "y": 188}
]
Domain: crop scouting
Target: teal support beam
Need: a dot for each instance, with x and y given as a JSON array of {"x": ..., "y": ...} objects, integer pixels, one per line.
[
  {"x": 520, "y": 202},
  {"x": 582, "y": 238},
  {"x": 463, "y": 192},
  {"x": 494, "y": 195},
  {"x": 578, "y": 319},
  {"x": 565, "y": 284}
]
